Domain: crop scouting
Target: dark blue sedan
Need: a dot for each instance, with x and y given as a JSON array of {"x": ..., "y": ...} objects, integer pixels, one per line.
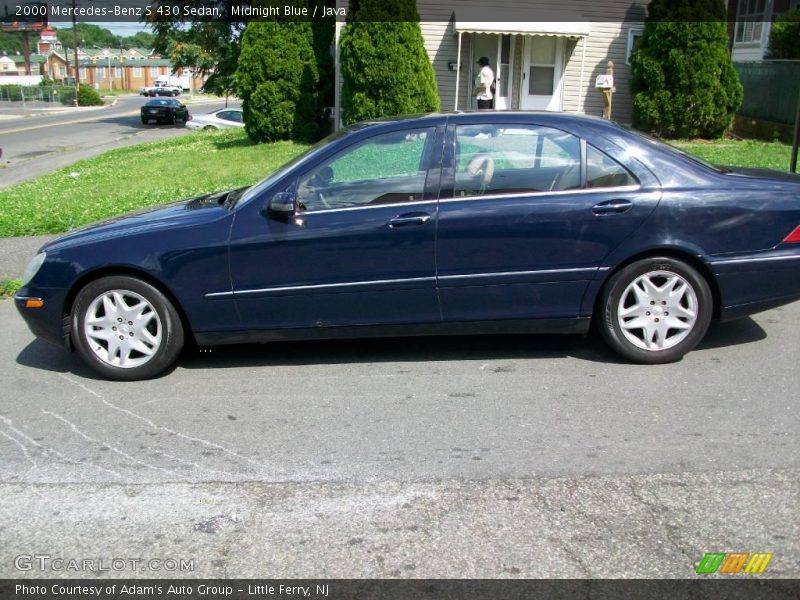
[{"x": 461, "y": 223}]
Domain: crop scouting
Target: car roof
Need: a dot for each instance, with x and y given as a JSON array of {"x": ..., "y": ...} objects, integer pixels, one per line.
[{"x": 555, "y": 119}]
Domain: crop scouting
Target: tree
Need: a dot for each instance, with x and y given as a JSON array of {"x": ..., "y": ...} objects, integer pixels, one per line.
[
  {"x": 385, "y": 68},
  {"x": 784, "y": 37},
  {"x": 11, "y": 43},
  {"x": 682, "y": 79},
  {"x": 278, "y": 79},
  {"x": 88, "y": 35},
  {"x": 209, "y": 48}
]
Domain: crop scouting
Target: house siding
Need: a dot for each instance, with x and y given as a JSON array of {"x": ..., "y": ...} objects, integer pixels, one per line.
[{"x": 608, "y": 40}]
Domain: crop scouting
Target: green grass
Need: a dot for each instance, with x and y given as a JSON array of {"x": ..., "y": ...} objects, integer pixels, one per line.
[
  {"x": 740, "y": 153},
  {"x": 129, "y": 178},
  {"x": 9, "y": 287}
]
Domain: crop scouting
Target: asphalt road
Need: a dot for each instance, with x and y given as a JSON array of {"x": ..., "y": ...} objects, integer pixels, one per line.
[
  {"x": 36, "y": 145},
  {"x": 529, "y": 456}
]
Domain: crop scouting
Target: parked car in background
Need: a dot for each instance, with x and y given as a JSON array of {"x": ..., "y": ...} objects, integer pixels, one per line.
[
  {"x": 164, "y": 110},
  {"x": 160, "y": 90},
  {"x": 448, "y": 223},
  {"x": 219, "y": 119}
]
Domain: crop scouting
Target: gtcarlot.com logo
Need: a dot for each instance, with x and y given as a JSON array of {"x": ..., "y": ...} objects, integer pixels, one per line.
[
  {"x": 734, "y": 562},
  {"x": 46, "y": 562}
]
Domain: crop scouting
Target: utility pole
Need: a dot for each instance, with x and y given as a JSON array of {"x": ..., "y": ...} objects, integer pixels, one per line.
[
  {"x": 75, "y": 48},
  {"x": 796, "y": 140}
]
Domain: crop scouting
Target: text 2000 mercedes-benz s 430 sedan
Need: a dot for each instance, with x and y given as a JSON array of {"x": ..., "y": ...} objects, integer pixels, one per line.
[{"x": 459, "y": 223}]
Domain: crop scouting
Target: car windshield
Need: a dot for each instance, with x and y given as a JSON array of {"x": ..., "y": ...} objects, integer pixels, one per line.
[{"x": 270, "y": 179}]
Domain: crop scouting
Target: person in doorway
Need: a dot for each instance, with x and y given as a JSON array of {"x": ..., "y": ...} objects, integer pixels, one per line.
[{"x": 484, "y": 84}]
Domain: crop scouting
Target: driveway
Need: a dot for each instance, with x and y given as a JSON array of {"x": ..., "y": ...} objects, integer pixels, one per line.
[{"x": 529, "y": 456}]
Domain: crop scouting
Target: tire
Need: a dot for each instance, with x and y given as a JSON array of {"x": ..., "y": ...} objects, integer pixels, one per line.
[
  {"x": 209, "y": 128},
  {"x": 657, "y": 293},
  {"x": 145, "y": 121},
  {"x": 147, "y": 349}
]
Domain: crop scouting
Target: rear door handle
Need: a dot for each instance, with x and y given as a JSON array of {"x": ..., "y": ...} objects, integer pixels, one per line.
[
  {"x": 419, "y": 218},
  {"x": 612, "y": 206}
]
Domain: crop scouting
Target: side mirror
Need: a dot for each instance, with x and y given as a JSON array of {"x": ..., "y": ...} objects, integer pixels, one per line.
[{"x": 282, "y": 204}]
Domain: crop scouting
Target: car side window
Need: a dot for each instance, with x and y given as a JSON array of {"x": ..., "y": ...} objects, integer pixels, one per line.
[
  {"x": 603, "y": 171},
  {"x": 385, "y": 169},
  {"x": 230, "y": 115},
  {"x": 512, "y": 159}
]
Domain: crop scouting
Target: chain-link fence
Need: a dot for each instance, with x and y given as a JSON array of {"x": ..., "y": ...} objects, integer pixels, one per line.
[{"x": 32, "y": 98}]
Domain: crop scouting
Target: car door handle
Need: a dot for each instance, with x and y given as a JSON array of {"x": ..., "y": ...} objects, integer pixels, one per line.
[
  {"x": 611, "y": 207},
  {"x": 409, "y": 219}
]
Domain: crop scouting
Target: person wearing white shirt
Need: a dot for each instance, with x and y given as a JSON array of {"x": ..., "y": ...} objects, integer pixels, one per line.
[{"x": 484, "y": 81}]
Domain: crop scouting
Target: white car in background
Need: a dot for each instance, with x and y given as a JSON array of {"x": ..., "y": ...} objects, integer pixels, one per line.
[{"x": 219, "y": 119}]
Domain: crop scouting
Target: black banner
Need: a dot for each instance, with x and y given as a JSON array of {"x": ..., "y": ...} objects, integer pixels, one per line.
[
  {"x": 396, "y": 589},
  {"x": 448, "y": 11}
]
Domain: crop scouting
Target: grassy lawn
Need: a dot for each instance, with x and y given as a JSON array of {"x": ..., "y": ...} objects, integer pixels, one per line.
[
  {"x": 9, "y": 287},
  {"x": 740, "y": 153},
  {"x": 138, "y": 176},
  {"x": 129, "y": 178}
]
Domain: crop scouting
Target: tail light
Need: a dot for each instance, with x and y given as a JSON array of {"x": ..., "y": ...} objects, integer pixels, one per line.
[{"x": 794, "y": 237}]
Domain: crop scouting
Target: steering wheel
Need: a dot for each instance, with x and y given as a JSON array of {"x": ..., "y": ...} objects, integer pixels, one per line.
[{"x": 482, "y": 166}]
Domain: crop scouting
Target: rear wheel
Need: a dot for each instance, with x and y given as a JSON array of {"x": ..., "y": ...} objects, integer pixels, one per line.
[
  {"x": 126, "y": 329},
  {"x": 209, "y": 128},
  {"x": 656, "y": 310}
]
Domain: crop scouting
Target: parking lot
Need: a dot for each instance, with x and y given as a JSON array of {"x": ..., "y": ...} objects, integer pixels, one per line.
[{"x": 506, "y": 456}]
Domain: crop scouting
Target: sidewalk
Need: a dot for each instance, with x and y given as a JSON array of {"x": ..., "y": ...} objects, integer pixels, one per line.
[{"x": 15, "y": 252}]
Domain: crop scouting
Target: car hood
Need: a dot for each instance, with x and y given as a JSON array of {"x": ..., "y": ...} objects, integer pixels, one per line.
[{"x": 182, "y": 213}]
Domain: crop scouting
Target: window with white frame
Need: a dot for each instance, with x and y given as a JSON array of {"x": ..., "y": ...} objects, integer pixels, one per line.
[
  {"x": 749, "y": 21},
  {"x": 634, "y": 36},
  {"x": 117, "y": 71},
  {"x": 153, "y": 70},
  {"x": 137, "y": 71}
]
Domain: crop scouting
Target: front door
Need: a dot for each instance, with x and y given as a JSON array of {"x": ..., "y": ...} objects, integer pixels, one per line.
[
  {"x": 498, "y": 48},
  {"x": 542, "y": 73},
  {"x": 360, "y": 248}
]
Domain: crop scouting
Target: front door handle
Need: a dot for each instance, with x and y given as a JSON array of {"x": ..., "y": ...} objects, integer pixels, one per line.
[
  {"x": 612, "y": 207},
  {"x": 419, "y": 218}
]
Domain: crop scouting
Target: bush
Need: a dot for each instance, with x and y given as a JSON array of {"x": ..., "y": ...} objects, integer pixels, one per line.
[
  {"x": 784, "y": 37},
  {"x": 278, "y": 80},
  {"x": 87, "y": 96},
  {"x": 682, "y": 79},
  {"x": 11, "y": 92},
  {"x": 385, "y": 68}
]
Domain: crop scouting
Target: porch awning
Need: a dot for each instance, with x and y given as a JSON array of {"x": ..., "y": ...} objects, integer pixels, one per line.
[{"x": 492, "y": 19}]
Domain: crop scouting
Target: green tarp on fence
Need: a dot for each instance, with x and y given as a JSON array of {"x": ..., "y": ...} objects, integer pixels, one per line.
[{"x": 771, "y": 90}]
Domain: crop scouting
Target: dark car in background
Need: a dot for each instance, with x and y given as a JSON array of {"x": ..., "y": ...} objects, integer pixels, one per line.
[
  {"x": 164, "y": 110},
  {"x": 441, "y": 224}
]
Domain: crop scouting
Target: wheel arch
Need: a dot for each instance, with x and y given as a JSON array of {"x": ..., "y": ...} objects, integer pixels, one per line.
[
  {"x": 107, "y": 271},
  {"x": 670, "y": 252}
]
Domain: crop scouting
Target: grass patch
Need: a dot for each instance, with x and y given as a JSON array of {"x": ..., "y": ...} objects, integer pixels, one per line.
[
  {"x": 149, "y": 174},
  {"x": 9, "y": 287},
  {"x": 138, "y": 176},
  {"x": 739, "y": 153}
]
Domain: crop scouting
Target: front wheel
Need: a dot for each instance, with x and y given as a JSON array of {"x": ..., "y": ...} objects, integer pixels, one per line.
[
  {"x": 126, "y": 329},
  {"x": 655, "y": 310}
]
